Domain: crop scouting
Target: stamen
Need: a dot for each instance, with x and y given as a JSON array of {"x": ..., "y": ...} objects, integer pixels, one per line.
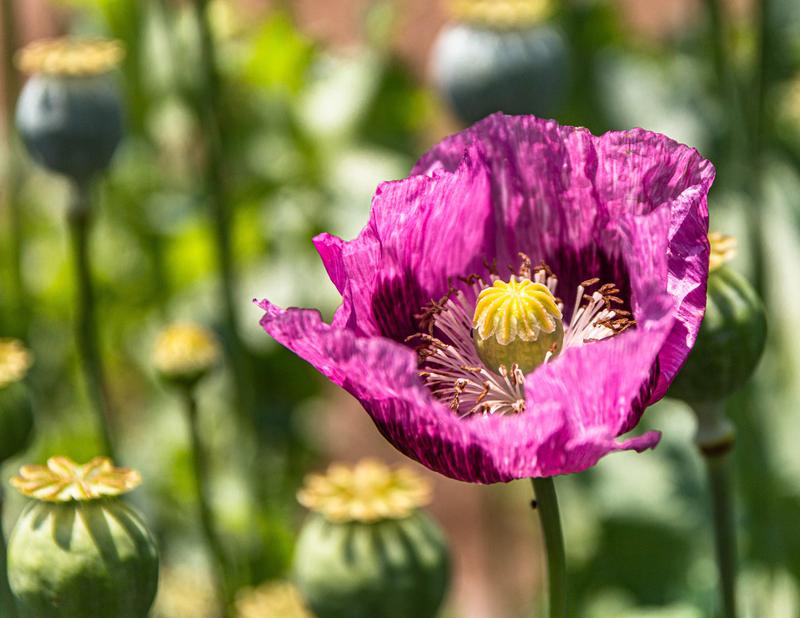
[{"x": 449, "y": 362}]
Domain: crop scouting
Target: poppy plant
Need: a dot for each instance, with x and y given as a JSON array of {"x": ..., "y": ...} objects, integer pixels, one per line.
[{"x": 513, "y": 306}]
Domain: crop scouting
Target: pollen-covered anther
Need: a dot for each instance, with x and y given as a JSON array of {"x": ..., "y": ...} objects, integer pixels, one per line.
[{"x": 517, "y": 323}]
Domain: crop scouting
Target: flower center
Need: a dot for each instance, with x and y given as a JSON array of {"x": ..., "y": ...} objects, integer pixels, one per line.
[
  {"x": 484, "y": 335},
  {"x": 518, "y": 322}
]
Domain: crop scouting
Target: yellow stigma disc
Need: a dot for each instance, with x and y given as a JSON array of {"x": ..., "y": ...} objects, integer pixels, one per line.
[
  {"x": 519, "y": 309},
  {"x": 723, "y": 250},
  {"x": 70, "y": 57}
]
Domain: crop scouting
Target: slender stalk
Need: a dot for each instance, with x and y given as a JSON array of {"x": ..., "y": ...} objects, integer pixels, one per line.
[
  {"x": 8, "y": 608},
  {"x": 205, "y": 512},
  {"x": 547, "y": 505},
  {"x": 10, "y": 79},
  {"x": 722, "y": 503},
  {"x": 79, "y": 217},
  {"x": 757, "y": 129},
  {"x": 715, "y": 438},
  {"x": 209, "y": 111}
]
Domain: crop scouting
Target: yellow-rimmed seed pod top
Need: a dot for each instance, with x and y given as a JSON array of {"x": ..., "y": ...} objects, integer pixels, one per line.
[
  {"x": 723, "y": 250},
  {"x": 70, "y": 57},
  {"x": 15, "y": 361},
  {"x": 185, "y": 352},
  {"x": 367, "y": 492},
  {"x": 519, "y": 309},
  {"x": 63, "y": 480},
  {"x": 501, "y": 14},
  {"x": 272, "y": 599}
]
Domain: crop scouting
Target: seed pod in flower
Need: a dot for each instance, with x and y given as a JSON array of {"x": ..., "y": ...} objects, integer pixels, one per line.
[
  {"x": 70, "y": 112},
  {"x": 185, "y": 353},
  {"x": 517, "y": 323},
  {"x": 499, "y": 55},
  {"x": 16, "y": 413},
  {"x": 732, "y": 336},
  {"x": 78, "y": 550},
  {"x": 367, "y": 549}
]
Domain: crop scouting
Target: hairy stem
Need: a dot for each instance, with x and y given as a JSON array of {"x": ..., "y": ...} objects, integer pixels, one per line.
[
  {"x": 205, "y": 512},
  {"x": 547, "y": 505},
  {"x": 79, "y": 217}
]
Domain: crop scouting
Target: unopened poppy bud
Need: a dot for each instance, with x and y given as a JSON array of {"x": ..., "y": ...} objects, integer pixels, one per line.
[
  {"x": 70, "y": 112},
  {"x": 732, "y": 335},
  {"x": 367, "y": 549},
  {"x": 16, "y": 413},
  {"x": 498, "y": 55},
  {"x": 185, "y": 353},
  {"x": 78, "y": 550}
]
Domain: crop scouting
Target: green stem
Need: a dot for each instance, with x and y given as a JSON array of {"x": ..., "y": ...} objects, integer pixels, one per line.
[
  {"x": 547, "y": 505},
  {"x": 11, "y": 173},
  {"x": 209, "y": 111},
  {"x": 715, "y": 438},
  {"x": 79, "y": 217},
  {"x": 722, "y": 503},
  {"x": 8, "y": 608},
  {"x": 205, "y": 512}
]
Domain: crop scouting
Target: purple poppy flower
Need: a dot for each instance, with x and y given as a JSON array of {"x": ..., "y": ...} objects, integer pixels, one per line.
[{"x": 612, "y": 229}]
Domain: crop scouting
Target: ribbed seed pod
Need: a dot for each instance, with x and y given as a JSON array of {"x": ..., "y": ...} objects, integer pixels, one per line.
[
  {"x": 731, "y": 339},
  {"x": 368, "y": 551},
  {"x": 70, "y": 112},
  {"x": 16, "y": 412},
  {"x": 78, "y": 550},
  {"x": 482, "y": 64}
]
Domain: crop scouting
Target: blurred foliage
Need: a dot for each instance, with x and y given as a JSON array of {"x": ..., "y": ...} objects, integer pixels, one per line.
[{"x": 309, "y": 132}]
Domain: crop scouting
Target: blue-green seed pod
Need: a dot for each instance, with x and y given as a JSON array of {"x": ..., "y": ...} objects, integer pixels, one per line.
[
  {"x": 479, "y": 68},
  {"x": 78, "y": 551},
  {"x": 70, "y": 112},
  {"x": 368, "y": 551},
  {"x": 730, "y": 342},
  {"x": 16, "y": 411}
]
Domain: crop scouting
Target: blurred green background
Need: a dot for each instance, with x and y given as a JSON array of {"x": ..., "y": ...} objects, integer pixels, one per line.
[{"x": 319, "y": 101}]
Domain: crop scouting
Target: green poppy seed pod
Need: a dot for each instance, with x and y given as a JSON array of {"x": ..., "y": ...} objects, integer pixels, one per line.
[
  {"x": 16, "y": 411},
  {"x": 78, "y": 550},
  {"x": 368, "y": 551},
  {"x": 70, "y": 112},
  {"x": 499, "y": 56},
  {"x": 517, "y": 325},
  {"x": 731, "y": 338}
]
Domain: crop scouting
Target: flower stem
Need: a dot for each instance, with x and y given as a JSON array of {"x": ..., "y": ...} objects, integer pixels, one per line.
[
  {"x": 79, "y": 216},
  {"x": 208, "y": 108},
  {"x": 11, "y": 173},
  {"x": 547, "y": 505},
  {"x": 715, "y": 439},
  {"x": 720, "y": 481},
  {"x": 7, "y": 605},
  {"x": 205, "y": 512}
]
